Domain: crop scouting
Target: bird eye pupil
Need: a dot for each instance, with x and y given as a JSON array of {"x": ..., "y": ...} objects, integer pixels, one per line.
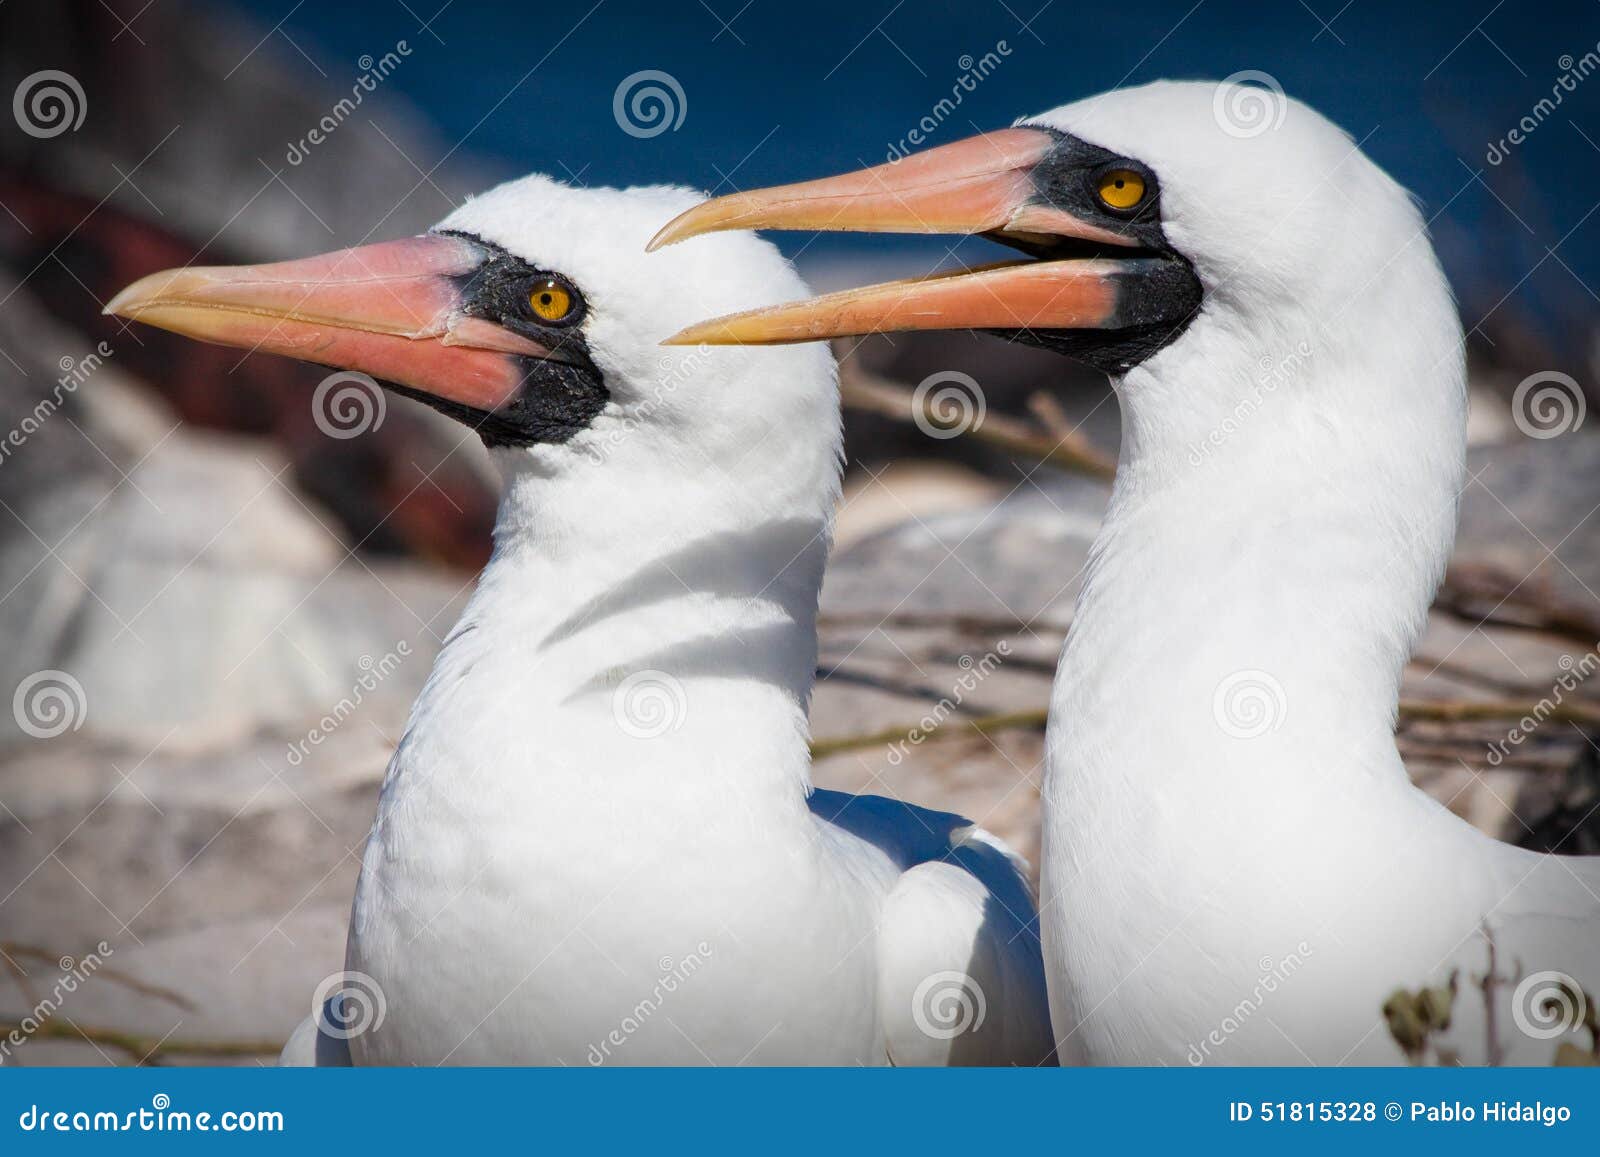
[
  {"x": 1121, "y": 188},
  {"x": 550, "y": 301}
]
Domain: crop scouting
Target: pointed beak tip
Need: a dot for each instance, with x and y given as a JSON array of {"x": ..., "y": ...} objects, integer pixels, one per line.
[
  {"x": 672, "y": 232},
  {"x": 127, "y": 301}
]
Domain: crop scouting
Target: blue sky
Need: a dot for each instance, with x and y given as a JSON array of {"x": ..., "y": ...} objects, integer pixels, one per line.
[{"x": 774, "y": 91}]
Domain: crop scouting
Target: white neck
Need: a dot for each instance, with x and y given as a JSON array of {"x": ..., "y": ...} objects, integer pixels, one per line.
[
  {"x": 1221, "y": 760},
  {"x": 1282, "y": 513},
  {"x": 635, "y": 633}
]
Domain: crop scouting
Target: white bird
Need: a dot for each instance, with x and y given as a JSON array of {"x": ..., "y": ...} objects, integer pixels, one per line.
[
  {"x": 598, "y": 841},
  {"x": 1237, "y": 868}
]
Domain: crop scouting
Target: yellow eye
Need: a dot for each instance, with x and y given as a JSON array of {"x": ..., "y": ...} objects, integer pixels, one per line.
[
  {"x": 550, "y": 300},
  {"x": 1121, "y": 188}
]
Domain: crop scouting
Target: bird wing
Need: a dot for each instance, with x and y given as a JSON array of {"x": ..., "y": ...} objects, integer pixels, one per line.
[
  {"x": 309, "y": 1047},
  {"x": 960, "y": 969},
  {"x": 961, "y": 977}
]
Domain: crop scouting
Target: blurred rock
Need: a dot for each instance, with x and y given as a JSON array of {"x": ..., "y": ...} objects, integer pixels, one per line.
[
  {"x": 201, "y": 689},
  {"x": 901, "y": 491},
  {"x": 192, "y": 596},
  {"x": 1530, "y": 507},
  {"x": 189, "y": 159}
]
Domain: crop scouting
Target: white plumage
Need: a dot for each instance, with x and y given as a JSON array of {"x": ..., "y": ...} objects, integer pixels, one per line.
[
  {"x": 1236, "y": 866},
  {"x": 597, "y": 842}
]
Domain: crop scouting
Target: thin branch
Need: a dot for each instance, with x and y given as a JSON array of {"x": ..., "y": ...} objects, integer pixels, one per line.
[
  {"x": 918, "y": 620},
  {"x": 143, "y": 1048},
  {"x": 1489, "y": 594},
  {"x": 1488, "y": 982},
  {"x": 1470, "y": 710},
  {"x": 982, "y": 725},
  {"x": 1411, "y": 710},
  {"x": 114, "y": 975},
  {"x": 862, "y": 390},
  {"x": 1475, "y": 754}
]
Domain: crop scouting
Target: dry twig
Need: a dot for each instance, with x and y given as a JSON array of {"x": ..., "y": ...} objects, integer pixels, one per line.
[
  {"x": 141, "y": 1048},
  {"x": 862, "y": 390},
  {"x": 1439, "y": 710}
]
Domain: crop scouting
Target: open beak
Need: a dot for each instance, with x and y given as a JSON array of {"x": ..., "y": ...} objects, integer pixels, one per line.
[
  {"x": 987, "y": 185},
  {"x": 394, "y": 310}
]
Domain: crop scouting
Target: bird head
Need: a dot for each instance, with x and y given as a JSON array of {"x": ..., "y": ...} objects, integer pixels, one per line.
[
  {"x": 533, "y": 316},
  {"x": 1174, "y": 218},
  {"x": 1283, "y": 343}
]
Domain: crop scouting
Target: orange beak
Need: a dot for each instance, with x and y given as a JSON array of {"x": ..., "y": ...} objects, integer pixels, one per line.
[
  {"x": 987, "y": 185},
  {"x": 394, "y": 310}
]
